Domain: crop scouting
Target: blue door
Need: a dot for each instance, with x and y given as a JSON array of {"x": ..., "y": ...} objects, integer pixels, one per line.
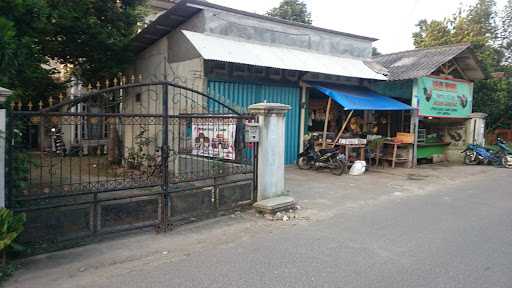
[{"x": 245, "y": 94}]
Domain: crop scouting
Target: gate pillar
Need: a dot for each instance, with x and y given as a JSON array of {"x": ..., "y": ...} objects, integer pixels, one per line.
[
  {"x": 271, "y": 120},
  {"x": 475, "y": 129},
  {"x": 4, "y": 93},
  {"x": 3, "y": 121}
]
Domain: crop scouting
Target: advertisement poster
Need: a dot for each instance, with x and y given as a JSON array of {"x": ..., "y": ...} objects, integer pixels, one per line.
[
  {"x": 444, "y": 98},
  {"x": 214, "y": 137}
]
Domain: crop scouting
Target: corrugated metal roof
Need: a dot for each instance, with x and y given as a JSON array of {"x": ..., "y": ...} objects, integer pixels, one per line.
[
  {"x": 259, "y": 54},
  {"x": 422, "y": 62}
]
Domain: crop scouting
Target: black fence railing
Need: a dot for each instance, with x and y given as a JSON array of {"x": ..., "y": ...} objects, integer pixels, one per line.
[{"x": 124, "y": 158}]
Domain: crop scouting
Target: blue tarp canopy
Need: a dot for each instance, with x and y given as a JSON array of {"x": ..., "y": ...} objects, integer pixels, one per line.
[{"x": 358, "y": 98}]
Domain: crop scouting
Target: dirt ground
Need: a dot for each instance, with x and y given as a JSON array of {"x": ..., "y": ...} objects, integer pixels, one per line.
[{"x": 320, "y": 195}]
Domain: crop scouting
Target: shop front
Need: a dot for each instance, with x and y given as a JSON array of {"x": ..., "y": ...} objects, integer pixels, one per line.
[
  {"x": 363, "y": 124},
  {"x": 438, "y": 82},
  {"x": 444, "y": 105}
]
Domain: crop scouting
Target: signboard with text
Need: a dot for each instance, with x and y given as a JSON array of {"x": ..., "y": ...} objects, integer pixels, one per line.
[{"x": 444, "y": 98}]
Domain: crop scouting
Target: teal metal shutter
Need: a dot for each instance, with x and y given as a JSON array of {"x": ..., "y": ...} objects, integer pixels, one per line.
[{"x": 245, "y": 94}]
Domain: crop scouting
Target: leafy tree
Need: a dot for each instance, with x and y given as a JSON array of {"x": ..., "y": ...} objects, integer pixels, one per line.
[
  {"x": 375, "y": 51},
  {"x": 477, "y": 26},
  {"x": 505, "y": 35},
  {"x": 493, "y": 96},
  {"x": 90, "y": 37},
  {"x": 433, "y": 33},
  {"x": 292, "y": 10},
  {"x": 22, "y": 26},
  {"x": 481, "y": 19}
]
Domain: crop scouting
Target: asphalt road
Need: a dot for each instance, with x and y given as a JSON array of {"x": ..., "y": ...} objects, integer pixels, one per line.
[
  {"x": 456, "y": 236},
  {"x": 456, "y": 233}
]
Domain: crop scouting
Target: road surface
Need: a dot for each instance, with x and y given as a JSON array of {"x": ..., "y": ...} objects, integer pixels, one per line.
[{"x": 456, "y": 235}]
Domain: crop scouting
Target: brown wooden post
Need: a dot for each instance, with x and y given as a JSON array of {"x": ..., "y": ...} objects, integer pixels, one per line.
[
  {"x": 324, "y": 138},
  {"x": 389, "y": 124},
  {"x": 365, "y": 124},
  {"x": 402, "y": 122},
  {"x": 395, "y": 148},
  {"x": 343, "y": 127}
]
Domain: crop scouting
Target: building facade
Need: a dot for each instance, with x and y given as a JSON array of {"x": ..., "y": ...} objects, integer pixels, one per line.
[{"x": 245, "y": 58}]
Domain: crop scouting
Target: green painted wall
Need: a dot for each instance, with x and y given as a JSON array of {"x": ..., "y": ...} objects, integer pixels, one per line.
[{"x": 396, "y": 89}]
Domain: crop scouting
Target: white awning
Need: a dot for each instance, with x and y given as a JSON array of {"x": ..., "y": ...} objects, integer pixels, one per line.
[{"x": 236, "y": 51}]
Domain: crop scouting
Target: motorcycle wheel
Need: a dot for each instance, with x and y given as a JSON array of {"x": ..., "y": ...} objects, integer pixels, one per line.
[
  {"x": 303, "y": 163},
  {"x": 470, "y": 158},
  {"x": 505, "y": 162},
  {"x": 338, "y": 167}
]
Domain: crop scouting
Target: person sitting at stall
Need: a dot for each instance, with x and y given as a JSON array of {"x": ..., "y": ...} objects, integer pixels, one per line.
[
  {"x": 382, "y": 125},
  {"x": 354, "y": 126}
]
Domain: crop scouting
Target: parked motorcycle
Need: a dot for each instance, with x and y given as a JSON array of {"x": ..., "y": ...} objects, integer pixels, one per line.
[
  {"x": 505, "y": 151},
  {"x": 324, "y": 158},
  {"x": 475, "y": 154}
]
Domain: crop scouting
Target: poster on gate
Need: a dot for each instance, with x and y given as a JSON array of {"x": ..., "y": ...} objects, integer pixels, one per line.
[{"x": 214, "y": 137}]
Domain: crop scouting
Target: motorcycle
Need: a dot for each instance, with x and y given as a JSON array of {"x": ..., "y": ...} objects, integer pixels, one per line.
[
  {"x": 324, "y": 158},
  {"x": 505, "y": 153},
  {"x": 475, "y": 154}
]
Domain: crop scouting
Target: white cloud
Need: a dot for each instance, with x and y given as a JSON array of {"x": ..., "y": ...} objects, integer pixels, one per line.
[{"x": 391, "y": 21}]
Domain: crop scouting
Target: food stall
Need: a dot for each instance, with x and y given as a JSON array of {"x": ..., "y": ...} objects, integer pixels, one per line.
[
  {"x": 438, "y": 82},
  {"x": 365, "y": 125},
  {"x": 444, "y": 104}
]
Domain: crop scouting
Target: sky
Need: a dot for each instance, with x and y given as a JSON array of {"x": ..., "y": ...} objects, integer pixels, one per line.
[{"x": 391, "y": 21}]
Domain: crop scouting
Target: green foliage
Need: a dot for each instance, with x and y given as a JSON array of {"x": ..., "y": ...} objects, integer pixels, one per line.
[
  {"x": 478, "y": 25},
  {"x": 292, "y": 10},
  {"x": 22, "y": 28},
  {"x": 6, "y": 271},
  {"x": 20, "y": 169},
  {"x": 433, "y": 33},
  {"x": 20, "y": 160},
  {"x": 139, "y": 155},
  {"x": 91, "y": 37},
  {"x": 494, "y": 98},
  {"x": 11, "y": 226},
  {"x": 505, "y": 33},
  {"x": 375, "y": 51}
]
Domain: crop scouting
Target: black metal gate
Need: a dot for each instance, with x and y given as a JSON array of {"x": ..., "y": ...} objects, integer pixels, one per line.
[{"x": 125, "y": 157}]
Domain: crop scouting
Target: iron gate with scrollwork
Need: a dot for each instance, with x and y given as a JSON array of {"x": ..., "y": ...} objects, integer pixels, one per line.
[{"x": 125, "y": 157}]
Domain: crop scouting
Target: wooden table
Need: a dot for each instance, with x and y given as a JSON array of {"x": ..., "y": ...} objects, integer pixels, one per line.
[
  {"x": 393, "y": 157},
  {"x": 349, "y": 147}
]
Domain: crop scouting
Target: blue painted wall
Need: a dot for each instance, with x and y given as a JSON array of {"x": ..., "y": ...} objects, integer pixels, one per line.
[{"x": 245, "y": 94}]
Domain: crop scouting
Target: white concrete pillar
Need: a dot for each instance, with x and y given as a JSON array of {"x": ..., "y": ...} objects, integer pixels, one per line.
[
  {"x": 4, "y": 93},
  {"x": 2, "y": 156},
  {"x": 475, "y": 129},
  {"x": 271, "y": 120}
]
